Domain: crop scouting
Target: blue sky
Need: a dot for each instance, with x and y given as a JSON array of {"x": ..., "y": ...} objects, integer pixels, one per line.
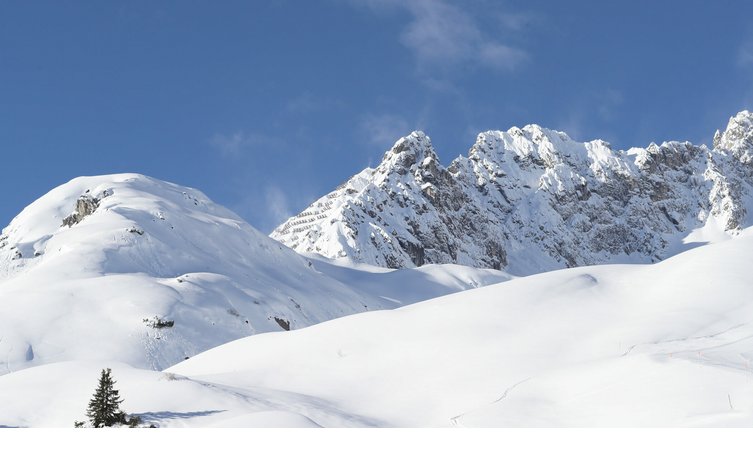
[{"x": 265, "y": 106}]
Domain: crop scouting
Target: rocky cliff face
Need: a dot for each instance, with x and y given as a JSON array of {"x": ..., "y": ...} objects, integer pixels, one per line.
[{"x": 531, "y": 199}]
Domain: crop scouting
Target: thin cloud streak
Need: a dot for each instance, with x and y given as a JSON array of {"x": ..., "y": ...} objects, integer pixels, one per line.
[
  {"x": 444, "y": 36},
  {"x": 745, "y": 54},
  {"x": 384, "y": 129},
  {"x": 241, "y": 143},
  {"x": 277, "y": 205}
]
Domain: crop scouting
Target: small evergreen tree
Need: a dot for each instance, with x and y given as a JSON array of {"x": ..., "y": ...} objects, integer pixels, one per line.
[{"x": 104, "y": 407}]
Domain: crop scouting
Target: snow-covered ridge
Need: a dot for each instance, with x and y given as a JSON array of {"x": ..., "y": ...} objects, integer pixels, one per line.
[
  {"x": 147, "y": 272},
  {"x": 532, "y": 199}
]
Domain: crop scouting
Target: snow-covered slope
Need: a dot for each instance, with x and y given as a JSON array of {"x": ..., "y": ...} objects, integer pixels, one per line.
[
  {"x": 669, "y": 344},
  {"x": 56, "y": 395},
  {"x": 406, "y": 286},
  {"x": 531, "y": 200},
  {"x": 133, "y": 269}
]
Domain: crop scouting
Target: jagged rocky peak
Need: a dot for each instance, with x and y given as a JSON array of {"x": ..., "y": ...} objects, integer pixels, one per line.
[
  {"x": 523, "y": 143},
  {"x": 738, "y": 136},
  {"x": 410, "y": 152},
  {"x": 669, "y": 155},
  {"x": 532, "y": 199},
  {"x": 533, "y": 144}
]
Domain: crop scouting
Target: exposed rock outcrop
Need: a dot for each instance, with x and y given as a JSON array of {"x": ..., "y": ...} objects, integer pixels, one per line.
[{"x": 85, "y": 205}]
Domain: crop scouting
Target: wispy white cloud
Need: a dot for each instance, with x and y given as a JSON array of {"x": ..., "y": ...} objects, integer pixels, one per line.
[
  {"x": 587, "y": 118},
  {"x": 608, "y": 102},
  {"x": 516, "y": 21},
  {"x": 241, "y": 143},
  {"x": 745, "y": 53},
  {"x": 383, "y": 129},
  {"x": 251, "y": 155},
  {"x": 442, "y": 35},
  {"x": 277, "y": 205},
  {"x": 745, "y": 62},
  {"x": 501, "y": 56},
  {"x": 264, "y": 206},
  {"x": 303, "y": 103},
  {"x": 572, "y": 124}
]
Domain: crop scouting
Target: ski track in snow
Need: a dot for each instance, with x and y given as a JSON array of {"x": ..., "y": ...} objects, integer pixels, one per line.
[
  {"x": 455, "y": 421},
  {"x": 315, "y": 409}
]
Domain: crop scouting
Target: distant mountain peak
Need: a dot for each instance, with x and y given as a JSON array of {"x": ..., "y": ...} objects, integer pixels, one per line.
[
  {"x": 411, "y": 151},
  {"x": 738, "y": 136},
  {"x": 532, "y": 199}
]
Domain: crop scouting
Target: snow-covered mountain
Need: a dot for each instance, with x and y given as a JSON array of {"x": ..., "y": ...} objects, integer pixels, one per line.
[
  {"x": 137, "y": 274},
  {"x": 129, "y": 268},
  {"x": 531, "y": 199}
]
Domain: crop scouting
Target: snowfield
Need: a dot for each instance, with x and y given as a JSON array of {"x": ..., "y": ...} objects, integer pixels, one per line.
[
  {"x": 149, "y": 273},
  {"x": 618, "y": 345},
  {"x": 667, "y": 344}
]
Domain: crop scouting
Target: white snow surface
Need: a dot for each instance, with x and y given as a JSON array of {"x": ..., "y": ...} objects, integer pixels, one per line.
[
  {"x": 668, "y": 344},
  {"x": 154, "y": 251},
  {"x": 531, "y": 199}
]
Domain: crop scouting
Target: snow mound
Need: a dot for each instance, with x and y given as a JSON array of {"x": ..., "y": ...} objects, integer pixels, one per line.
[{"x": 149, "y": 273}]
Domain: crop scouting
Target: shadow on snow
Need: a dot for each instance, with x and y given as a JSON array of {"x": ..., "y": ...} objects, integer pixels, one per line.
[{"x": 167, "y": 415}]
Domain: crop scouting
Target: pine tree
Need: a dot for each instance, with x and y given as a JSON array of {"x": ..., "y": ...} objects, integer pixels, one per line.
[{"x": 104, "y": 407}]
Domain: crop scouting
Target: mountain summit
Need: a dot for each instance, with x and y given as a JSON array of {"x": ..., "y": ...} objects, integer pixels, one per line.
[
  {"x": 532, "y": 199},
  {"x": 147, "y": 272}
]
